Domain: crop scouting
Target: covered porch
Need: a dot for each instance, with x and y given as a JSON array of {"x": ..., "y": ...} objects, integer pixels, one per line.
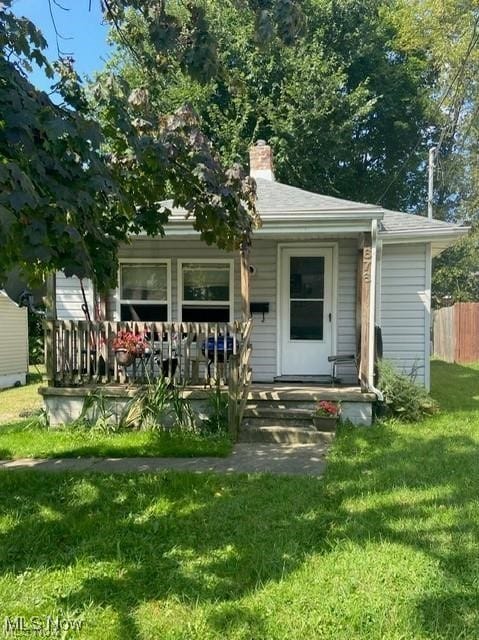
[{"x": 196, "y": 356}]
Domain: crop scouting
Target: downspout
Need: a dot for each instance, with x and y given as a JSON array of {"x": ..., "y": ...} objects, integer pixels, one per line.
[{"x": 372, "y": 311}]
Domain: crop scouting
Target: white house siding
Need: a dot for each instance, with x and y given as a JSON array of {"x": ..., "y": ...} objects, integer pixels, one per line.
[
  {"x": 70, "y": 299},
  {"x": 405, "y": 300},
  {"x": 263, "y": 288},
  {"x": 13, "y": 342},
  {"x": 346, "y": 297}
]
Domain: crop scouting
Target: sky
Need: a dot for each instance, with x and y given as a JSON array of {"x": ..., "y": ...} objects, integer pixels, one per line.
[{"x": 87, "y": 35}]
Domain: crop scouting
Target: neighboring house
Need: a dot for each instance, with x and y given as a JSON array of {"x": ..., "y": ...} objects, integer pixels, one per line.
[
  {"x": 304, "y": 266},
  {"x": 13, "y": 342}
]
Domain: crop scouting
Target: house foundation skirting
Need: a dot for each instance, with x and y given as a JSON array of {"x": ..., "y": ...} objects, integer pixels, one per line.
[{"x": 64, "y": 405}]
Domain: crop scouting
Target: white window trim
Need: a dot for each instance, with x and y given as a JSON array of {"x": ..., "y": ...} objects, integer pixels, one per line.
[
  {"x": 221, "y": 303},
  {"x": 120, "y": 300}
]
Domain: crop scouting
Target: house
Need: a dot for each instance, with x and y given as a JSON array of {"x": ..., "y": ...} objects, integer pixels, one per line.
[
  {"x": 13, "y": 342},
  {"x": 321, "y": 274}
]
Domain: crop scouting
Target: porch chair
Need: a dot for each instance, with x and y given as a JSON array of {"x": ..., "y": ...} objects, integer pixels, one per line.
[
  {"x": 350, "y": 359},
  {"x": 347, "y": 359}
]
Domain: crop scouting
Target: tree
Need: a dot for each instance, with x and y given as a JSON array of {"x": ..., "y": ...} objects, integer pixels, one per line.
[
  {"x": 344, "y": 108},
  {"x": 456, "y": 272},
  {"x": 448, "y": 33},
  {"x": 70, "y": 192}
]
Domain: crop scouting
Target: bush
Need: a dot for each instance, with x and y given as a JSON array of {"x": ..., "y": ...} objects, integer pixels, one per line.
[
  {"x": 217, "y": 421},
  {"x": 403, "y": 398},
  {"x": 36, "y": 338}
]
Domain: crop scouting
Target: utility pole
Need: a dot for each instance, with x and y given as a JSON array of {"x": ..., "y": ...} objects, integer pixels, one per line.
[{"x": 430, "y": 191}]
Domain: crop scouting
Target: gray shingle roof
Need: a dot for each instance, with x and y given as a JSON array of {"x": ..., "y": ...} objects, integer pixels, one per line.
[
  {"x": 275, "y": 197},
  {"x": 397, "y": 222}
]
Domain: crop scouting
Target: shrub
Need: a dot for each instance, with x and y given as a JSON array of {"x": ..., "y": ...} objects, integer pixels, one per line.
[
  {"x": 217, "y": 421},
  {"x": 403, "y": 398},
  {"x": 36, "y": 338},
  {"x": 97, "y": 414}
]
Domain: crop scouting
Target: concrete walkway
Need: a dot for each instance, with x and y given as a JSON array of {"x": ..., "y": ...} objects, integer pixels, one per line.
[{"x": 304, "y": 459}]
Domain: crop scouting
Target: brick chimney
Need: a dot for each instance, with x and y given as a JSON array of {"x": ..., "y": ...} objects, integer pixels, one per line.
[{"x": 261, "y": 161}]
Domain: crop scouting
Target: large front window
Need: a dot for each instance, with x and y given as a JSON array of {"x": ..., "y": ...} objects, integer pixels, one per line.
[
  {"x": 144, "y": 292},
  {"x": 206, "y": 291}
]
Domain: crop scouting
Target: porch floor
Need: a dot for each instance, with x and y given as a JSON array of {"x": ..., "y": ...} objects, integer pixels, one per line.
[
  {"x": 308, "y": 392},
  {"x": 257, "y": 391}
]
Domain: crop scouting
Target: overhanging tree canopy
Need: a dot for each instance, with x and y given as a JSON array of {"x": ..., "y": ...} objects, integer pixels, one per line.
[{"x": 71, "y": 191}]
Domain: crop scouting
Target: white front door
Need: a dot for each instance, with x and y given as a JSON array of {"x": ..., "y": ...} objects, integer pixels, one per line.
[{"x": 306, "y": 322}]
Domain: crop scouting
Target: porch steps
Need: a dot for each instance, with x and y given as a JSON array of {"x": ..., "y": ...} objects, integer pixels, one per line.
[{"x": 263, "y": 422}]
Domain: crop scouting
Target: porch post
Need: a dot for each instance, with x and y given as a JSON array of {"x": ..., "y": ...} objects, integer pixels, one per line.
[
  {"x": 245, "y": 294},
  {"x": 366, "y": 298},
  {"x": 50, "y": 328}
]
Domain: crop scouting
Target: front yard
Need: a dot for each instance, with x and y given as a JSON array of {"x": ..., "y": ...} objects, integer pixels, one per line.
[
  {"x": 386, "y": 545},
  {"x": 24, "y": 437}
]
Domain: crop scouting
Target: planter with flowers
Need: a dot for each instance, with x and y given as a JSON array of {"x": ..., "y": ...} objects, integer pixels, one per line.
[
  {"x": 127, "y": 347},
  {"x": 326, "y": 415}
]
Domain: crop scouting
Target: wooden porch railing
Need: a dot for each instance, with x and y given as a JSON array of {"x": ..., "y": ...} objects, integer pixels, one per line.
[
  {"x": 81, "y": 353},
  {"x": 239, "y": 380}
]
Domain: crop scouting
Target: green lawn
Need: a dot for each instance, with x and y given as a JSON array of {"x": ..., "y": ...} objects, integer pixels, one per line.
[
  {"x": 386, "y": 545},
  {"x": 18, "y": 402},
  {"x": 24, "y": 439}
]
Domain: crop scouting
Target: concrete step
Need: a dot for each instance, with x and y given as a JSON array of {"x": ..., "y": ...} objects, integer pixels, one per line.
[
  {"x": 279, "y": 421},
  {"x": 278, "y": 413},
  {"x": 284, "y": 435},
  {"x": 281, "y": 405}
]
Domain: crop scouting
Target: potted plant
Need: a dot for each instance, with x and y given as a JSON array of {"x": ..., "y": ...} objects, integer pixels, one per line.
[
  {"x": 127, "y": 347},
  {"x": 326, "y": 414}
]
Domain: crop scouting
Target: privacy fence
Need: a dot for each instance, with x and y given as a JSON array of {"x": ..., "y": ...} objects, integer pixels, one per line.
[{"x": 456, "y": 332}]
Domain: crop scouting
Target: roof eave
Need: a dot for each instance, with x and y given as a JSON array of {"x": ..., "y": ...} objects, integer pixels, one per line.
[{"x": 424, "y": 235}]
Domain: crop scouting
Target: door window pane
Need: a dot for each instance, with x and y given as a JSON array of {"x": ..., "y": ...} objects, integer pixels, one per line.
[
  {"x": 307, "y": 277},
  {"x": 206, "y": 282},
  {"x": 306, "y": 320},
  {"x": 144, "y": 282}
]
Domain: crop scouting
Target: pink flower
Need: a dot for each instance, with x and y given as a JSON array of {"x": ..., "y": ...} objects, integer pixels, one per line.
[
  {"x": 131, "y": 342},
  {"x": 327, "y": 408}
]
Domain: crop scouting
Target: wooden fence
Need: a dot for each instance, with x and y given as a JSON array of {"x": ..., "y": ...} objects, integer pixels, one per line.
[{"x": 456, "y": 333}]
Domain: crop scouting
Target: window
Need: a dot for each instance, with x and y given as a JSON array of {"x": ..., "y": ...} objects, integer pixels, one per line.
[
  {"x": 306, "y": 294},
  {"x": 144, "y": 291},
  {"x": 206, "y": 291}
]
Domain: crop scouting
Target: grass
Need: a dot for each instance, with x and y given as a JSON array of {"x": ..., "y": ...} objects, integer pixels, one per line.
[
  {"x": 385, "y": 545},
  {"x": 18, "y": 402},
  {"x": 27, "y": 439}
]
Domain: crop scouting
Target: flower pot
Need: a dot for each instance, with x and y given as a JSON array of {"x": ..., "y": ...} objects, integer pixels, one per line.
[
  {"x": 325, "y": 423},
  {"x": 124, "y": 357}
]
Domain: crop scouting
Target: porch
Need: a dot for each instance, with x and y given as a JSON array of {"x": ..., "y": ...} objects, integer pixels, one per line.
[
  {"x": 327, "y": 309},
  {"x": 273, "y": 402},
  {"x": 194, "y": 357},
  {"x": 81, "y": 358}
]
